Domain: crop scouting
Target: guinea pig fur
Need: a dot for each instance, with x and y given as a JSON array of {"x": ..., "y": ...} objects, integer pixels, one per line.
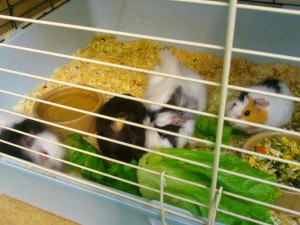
[
  {"x": 34, "y": 128},
  {"x": 186, "y": 94},
  {"x": 261, "y": 109},
  {"x": 128, "y": 110}
]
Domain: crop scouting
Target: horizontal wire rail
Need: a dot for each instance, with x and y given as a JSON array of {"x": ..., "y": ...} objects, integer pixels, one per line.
[
  {"x": 143, "y": 101},
  {"x": 102, "y": 173},
  {"x": 261, "y": 203},
  {"x": 136, "y": 167},
  {"x": 233, "y": 87},
  {"x": 108, "y": 175},
  {"x": 105, "y": 117},
  {"x": 195, "y": 44},
  {"x": 195, "y": 111},
  {"x": 127, "y": 34},
  {"x": 243, "y": 6},
  {"x": 171, "y": 106},
  {"x": 160, "y": 130},
  {"x": 204, "y": 2},
  {"x": 111, "y": 176},
  {"x": 165, "y": 155},
  {"x": 270, "y": 55},
  {"x": 269, "y": 9},
  {"x": 42, "y": 13},
  {"x": 106, "y": 139},
  {"x": 81, "y": 167},
  {"x": 242, "y": 217},
  {"x": 259, "y": 180},
  {"x": 102, "y": 157},
  {"x": 271, "y": 3},
  {"x": 109, "y": 64},
  {"x": 146, "y": 170},
  {"x": 123, "y": 67},
  {"x": 260, "y": 155},
  {"x": 281, "y": 130},
  {"x": 105, "y": 189},
  {"x": 97, "y": 156}
]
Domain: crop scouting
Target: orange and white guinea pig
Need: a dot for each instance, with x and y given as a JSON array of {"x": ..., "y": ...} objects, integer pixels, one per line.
[{"x": 261, "y": 109}]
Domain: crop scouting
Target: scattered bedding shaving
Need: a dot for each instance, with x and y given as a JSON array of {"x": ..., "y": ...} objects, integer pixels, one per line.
[{"x": 145, "y": 55}]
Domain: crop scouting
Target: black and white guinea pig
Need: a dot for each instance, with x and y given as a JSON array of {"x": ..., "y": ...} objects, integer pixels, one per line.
[
  {"x": 261, "y": 109},
  {"x": 186, "y": 94},
  {"x": 34, "y": 128},
  {"x": 128, "y": 110}
]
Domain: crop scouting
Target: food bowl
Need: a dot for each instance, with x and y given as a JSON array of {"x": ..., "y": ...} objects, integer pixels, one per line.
[
  {"x": 72, "y": 97},
  {"x": 288, "y": 199}
]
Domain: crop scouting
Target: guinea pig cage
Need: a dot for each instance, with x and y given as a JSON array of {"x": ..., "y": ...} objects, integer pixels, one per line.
[{"x": 110, "y": 48}]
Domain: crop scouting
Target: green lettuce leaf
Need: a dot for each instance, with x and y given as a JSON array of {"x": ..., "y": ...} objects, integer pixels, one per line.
[
  {"x": 206, "y": 128},
  {"x": 82, "y": 159},
  {"x": 125, "y": 172},
  {"x": 201, "y": 175},
  {"x": 98, "y": 164}
]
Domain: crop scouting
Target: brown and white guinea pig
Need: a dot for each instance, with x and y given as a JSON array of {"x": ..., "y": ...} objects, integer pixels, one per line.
[
  {"x": 261, "y": 109},
  {"x": 34, "y": 128},
  {"x": 128, "y": 110},
  {"x": 186, "y": 94}
]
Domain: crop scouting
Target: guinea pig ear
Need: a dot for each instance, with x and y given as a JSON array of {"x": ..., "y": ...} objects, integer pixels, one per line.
[
  {"x": 43, "y": 158},
  {"x": 261, "y": 103},
  {"x": 236, "y": 94},
  {"x": 26, "y": 141},
  {"x": 178, "y": 120}
]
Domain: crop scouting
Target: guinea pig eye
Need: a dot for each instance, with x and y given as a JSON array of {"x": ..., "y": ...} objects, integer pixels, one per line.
[
  {"x": 247, "y": 113},
  {"x": 234, "y": 104}
]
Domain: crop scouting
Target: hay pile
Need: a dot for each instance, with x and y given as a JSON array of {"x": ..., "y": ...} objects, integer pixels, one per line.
[{"x": 145, "y": 55}]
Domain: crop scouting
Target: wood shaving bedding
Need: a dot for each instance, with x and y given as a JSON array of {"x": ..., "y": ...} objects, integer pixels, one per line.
[
  {"x": 145, "y": 55},
  {"x": 284, "y": 219}
]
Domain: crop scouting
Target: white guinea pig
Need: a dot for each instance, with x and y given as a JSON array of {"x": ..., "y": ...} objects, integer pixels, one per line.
[
  {"x": 34, "y": 128},
  {"x": 261, "y": 109},
  {"x": 186, "y": 94}
]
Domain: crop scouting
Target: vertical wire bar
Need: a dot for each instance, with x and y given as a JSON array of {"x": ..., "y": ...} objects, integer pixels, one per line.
[
  {"x": 51, "y": 4},
  {"x": 216, "y": 205},
  {"x": 161, "y": 198},
  {"x": 11, "y": 13},
  {"x": 224, "y": 87}
]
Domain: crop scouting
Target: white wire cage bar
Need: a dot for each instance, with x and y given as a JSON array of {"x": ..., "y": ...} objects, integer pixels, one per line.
[
  {"x": 164, "y": 105},
  {"x": 146, "y": 127},
  {"x": 13, "y": 162},
  {"x": 229, "y": 49},
  {"x": 296, "y": 99},
  {"x": 149, "y": 150},
  {"x": 224, "y": 88}
]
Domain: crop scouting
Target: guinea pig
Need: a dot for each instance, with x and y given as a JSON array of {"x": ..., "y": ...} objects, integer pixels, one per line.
[
  {"x": 128, "y": 110},
  {"x": 34, "y": 128},
  {"x": 261, "y": 109},
  {"x": 186, "y": 94}
]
